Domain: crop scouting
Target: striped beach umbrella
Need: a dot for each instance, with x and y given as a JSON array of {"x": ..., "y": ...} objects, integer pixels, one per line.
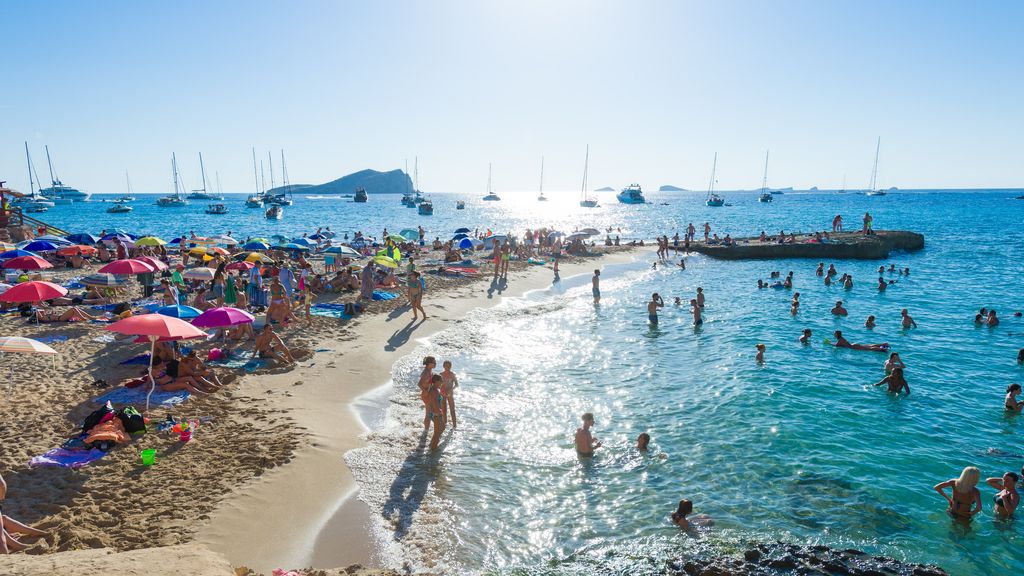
[
  {"x": 104, "y": 280},
  {"x": 198, "y": 274},
  {"x": 20, "y": 345},
  {"x": 252, "y": 245}
]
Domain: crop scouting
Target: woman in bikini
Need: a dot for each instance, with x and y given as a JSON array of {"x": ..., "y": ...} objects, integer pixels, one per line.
[
  {"x": 965, "y": 498},
  {"x": 1007, "y": 499},
  {"x": 436, "y": 405},
  {"x": 73, "y": 314},
  {"x": 449, "y": 383},
  {"x": 426, "y": 376},
  {"x": 1011, "y": 403}
]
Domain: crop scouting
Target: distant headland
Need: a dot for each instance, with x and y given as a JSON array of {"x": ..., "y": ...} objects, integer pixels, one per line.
[
  {"x": 374, "y": 182},
  {"x": 671, "y": 188}
]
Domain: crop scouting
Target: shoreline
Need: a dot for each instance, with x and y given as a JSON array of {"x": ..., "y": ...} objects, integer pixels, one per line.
[{"x": 308, "y": 503}]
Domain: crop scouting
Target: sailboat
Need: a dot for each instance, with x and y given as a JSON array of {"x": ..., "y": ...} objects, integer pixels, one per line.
[
  {"x": 255, "y": 200},
  {"x": 765, "y": 196},
  {"x": 58, "y": 192},
  {"x": 33, "y": 201},
  {"x": 541, "y": 198},
  {"x": 174, "y": 200},
  {"x": 281, "y": 198},
  {"x": 201, "y": 193},
  {"x": 407, "y": 199},
  {"x": 491, "y": 196},
  {"x": 714, "y": 200},
  {"x": 586, "y": 201},
  {"x": 872, "y": 191}
]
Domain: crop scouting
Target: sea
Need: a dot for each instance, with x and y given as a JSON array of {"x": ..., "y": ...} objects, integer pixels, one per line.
[{"x": 802, "y": 448}]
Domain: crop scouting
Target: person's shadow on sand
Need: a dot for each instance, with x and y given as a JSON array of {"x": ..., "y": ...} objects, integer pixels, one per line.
[
  {"x": 400, "y": 337},
  {"x": 419, "y": 470},
  {"x": 397, "y": 312}
]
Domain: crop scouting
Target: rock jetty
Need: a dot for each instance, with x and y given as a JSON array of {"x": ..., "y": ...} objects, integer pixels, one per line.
[{"x": 841, "y": 246}]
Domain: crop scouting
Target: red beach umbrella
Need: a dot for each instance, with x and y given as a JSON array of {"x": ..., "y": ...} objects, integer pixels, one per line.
[
  {"x": 154, "y": 262},
  {"x": 127, "y": 267},
  {"x": 36, "y": 291},
  {"x": 27, "y": 263},
  {"x": 72, "y": 250},
  {"x": 155, "y": 327}
]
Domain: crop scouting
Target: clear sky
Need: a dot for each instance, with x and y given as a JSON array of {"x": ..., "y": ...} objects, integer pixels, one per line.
[{"x": 654, "y": 87}]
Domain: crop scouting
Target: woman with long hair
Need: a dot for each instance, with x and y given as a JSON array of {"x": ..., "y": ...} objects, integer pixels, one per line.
[{"x": 965, "y": 498}]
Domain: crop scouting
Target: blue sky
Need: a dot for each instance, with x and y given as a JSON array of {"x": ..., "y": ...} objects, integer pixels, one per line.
[{"x": 655, "y": 88}]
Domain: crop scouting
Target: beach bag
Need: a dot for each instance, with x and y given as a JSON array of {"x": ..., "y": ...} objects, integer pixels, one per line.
[
  {"x": 132, "y": 420},
  {"x": 96, "y": 417}
]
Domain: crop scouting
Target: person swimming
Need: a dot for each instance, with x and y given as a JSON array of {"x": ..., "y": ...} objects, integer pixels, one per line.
[
  {"x": 838, "y": 310},
  {"x": 1010, "y": 402},
  {"x": 870, "y": 322},
  {"x": 684, "y": 509},
  {"x": 643, "y": 441},
  {"x": 844, "y": 343},
  {"x": 1007, "y": 499},
  {"x": 586, "y": 443},
  {"x": 965, "y": 498}
]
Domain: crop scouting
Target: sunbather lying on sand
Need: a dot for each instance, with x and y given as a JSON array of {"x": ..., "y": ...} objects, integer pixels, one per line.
[
  {"x": 170, "y": 379},
  {"x": 10, "y": 526},
  {"x": 73, "y": 314}
]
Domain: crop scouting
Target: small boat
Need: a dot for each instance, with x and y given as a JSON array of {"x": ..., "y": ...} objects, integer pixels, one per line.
[
  {"x": 58, "y": 192},
  {"x": 491, "y": 196},
  {"x": 32, "y": 199},
  {"x": 360, "y": 195},
  {"x": 632, "y": 194},
  {"x": 125, "y": 198},
  {"x": 460, "y": 205},
  {"x": 279, "y": 200},
  {"x": 765, "y": 197},
  {"x": 35, "y": 207},
  {"x": 407, "y": 201},
  {"x": 216, "y": 209},
  {"x": 174, "y": 200},
  {"x": 119, "y": 207},
  {"x": 873, "y": 191},
  {"x": 766, "y": 194},
  {"x": 714, "y": 200},
  {"x": 254, "y": 201},
  {"x": 274, "y": 212},
  {"x": 876, "y": 193},
  {"x": 586, "y": 201},
  {"x": 426, "y": 208}
]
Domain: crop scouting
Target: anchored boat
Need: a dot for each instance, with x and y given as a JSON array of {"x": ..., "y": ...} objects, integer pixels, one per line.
[{"x": 631, "y": 194}]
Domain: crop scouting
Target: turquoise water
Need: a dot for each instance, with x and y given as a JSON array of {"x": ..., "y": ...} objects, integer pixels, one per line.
[{"x": 802, "y": 449}]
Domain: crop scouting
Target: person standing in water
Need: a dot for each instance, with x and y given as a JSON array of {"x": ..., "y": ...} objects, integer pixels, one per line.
[
  {"x": 449, "y": 383},
  {"x": 760, "y": 354},
  {"x": 426, "y": 377},
  {"x": 965, "y": 498},
  {"x": 436, "y": 404},
  {"x": 652, "y": 308},
  {"x": 907, "y": 321},
  {"x": 586, "y": 443},
  {"x": 685, "y": 508},
  {"x": 897, "y": 383},
  {"x": 700, "y": 296},
  {"x": 595, "y": 286},
  {"x": 1010, "y": 402},
  {"x": 1007, "y": 499},
  {"x": 695, "y": 308}
]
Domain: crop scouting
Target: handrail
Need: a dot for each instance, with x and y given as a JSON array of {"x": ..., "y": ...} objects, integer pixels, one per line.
[{"x": 22, "y": 218}]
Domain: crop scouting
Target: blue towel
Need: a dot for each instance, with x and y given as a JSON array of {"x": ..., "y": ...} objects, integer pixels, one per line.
[
  {"x": 59, "y": 457},
  {"x": 247, "y": 364},
  {"x": 52, "y": 338},
  {"x": 137, "y": 396},
  {"x": 74, "y": 285},
  {"x": 142, "y": 359},
  {"x": 381, "y": 295},
  {"x": 329, "y": 313}
]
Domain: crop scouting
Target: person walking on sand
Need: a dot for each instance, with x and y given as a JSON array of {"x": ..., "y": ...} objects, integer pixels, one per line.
[
  {"x": 965, "y": 498},
  {"x": 449, "y": 382},
  {"x": 426, "y": 376},
  {"x": 595, "y": 284},
  {"x": 586, "y": 443},
  {"x": 496, "y": 259},
  {"x": 837, "y": 223}
]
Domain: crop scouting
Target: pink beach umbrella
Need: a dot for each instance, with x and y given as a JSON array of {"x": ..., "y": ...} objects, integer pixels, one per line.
[
  {"x": 154, "y": 262},
  {"x": 155, "y": 327},
  {"x": 27, "y": 263},
  {"x": 128, "y": 267},
  {"x": 222, "y": 316},
  {"x": 242, "y": 265},
  {"x": 35, "y": 291}
]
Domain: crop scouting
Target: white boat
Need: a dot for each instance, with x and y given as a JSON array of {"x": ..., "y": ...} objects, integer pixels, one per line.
[
  {"x": 35, "y": 207},
  {"x": 766, "y": 195},
  {"x": 57, "y": 188},
  {"x": 360, "y": 195},
  {"x": 460, "y": 205},
  {"x": 202, "y": 193},
  {"x": 426, "y": 208},
  {"x": 216, "y": 209},
  {"x": 586, "y": 201},
  {"x": 491, "y": 196},
  {"x": 631, "y": 194},
  {"x": 873, "y": 190},
  {"x": 32, "y": 199},
  {"x": 254, "y": 201},
  {"x": 714, "y": 200},
  {"x": 119, "y": 207},
  {"x": 541, "y": 197},
  {"x": 275, "y": 212},
  {"x": 174, "y": 200}
]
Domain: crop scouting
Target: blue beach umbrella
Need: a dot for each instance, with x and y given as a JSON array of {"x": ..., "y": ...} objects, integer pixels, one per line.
[
  {"x": 304, "y": 242},
  {"x": 459, "y": 236},
  {"x": 179, "y": 311},
  {"x": 462, "y": 230},
  {"x": 465, "y": 244},
  {"x": 40, "y": 246},
  {"x": 293, "y": 246},
  {"x": 319, "y": 236},
  {"x": 176, "y": 240},
  {"x": 16, "y": 254},
  {"x": 55, "y": 239},
  {"x": 256, "y": 246},
  {"x": 345, "y": 250},
  {"x": 122, "y": 237},
  {"x": 279, "y": 238},
  {"x": 83, "y": 238}
]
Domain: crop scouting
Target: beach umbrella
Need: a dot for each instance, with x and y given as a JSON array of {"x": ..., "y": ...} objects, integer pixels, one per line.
[
  {"x": 177, "y": 240},
  {"x": 127, "y": 267},
  {"x": 156, "y": 263},
  {"x": 7, "y": 246},
  {"x": 75, "y": 249},
  {"x": 149, "y": 241},
  {"x": 576, "y": 236},
  {"x": 40, "y": 246},
  {"x": 554, "y": 235},
  {"x": 344, "y": 250},
  {"x": 462, "y": 230},
  {"x": 319, "y": 236},
  {"x": 27, "y": 263},
  {"x": 395, "y": 238},
  {"x": 35, "y": 291},
  {"x": 224, "y": 239},
  {"x": 105, "y": 280},
  {"x": 257, "y": 257},
  {"x": 219, "y": 250},
  {"x": 5, "y": 288},
  {"x": 120, "y": 236},
  {"x": 223, "y": 316},
  {"x": 590, "y": 231},
  {"x": 251, "y": 245},
  {"x": 20, "y": 345},
  {"x": 243, "y": 265},
  {"x": 260, "y": 240},
  {"x": 293, "y": 246},
  {"x": 279, "y": 238},
  {"x": 83, "y": 238},
  {"x": 179, "y": 311},
  {"x": 409, "y": 234},
  {"x": 385, "y": 261},
  {"x": 465, "y": 244},
  {"x": 16, "y": 253},
  {"x": 201, "y": 240},
  {"x": 199, "y": 274},
  {"x": 52, "y": 238},
  {"x": 459, "y": 236},
  {"x": 155, "y": 327},
  {"x": 304, "y": 242}
]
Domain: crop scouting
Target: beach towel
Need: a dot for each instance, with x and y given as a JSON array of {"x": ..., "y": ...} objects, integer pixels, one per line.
[
  {"x": 247, "y": 364},
  {"x": 381, "y": 295},
  {"x": 125, "y": 396},
  {"x": 142, "y": 359},
  {"x": 50, "y": 339},
  {"x": 329, "y": 310},
  {"x": 61, "y": 458}
]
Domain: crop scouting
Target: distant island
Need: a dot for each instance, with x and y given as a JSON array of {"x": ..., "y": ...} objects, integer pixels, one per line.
[
  {"x": 671, "y": 188},
  {"x": 605, "y": 189},
  {"x": 374, "y": 182}
]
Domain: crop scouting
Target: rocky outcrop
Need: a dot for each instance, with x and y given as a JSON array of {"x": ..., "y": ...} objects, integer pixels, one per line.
[
  {"x": 844, "y": 246},
  {"x": 780, "y": 558}
]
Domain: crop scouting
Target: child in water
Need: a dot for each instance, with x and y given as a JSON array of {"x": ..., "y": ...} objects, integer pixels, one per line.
[{"x": 685, "y": 508}]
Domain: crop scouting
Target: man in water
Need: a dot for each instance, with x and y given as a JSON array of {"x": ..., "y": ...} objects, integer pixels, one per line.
[
  {"x": 839, "y": 310},
  {"x": 643, "y": 441},
  {"x": 806, "y": 338},
  {"x": 586, "y": 443},
  {"x": 595, "y": 286},
  {"x": 652, "y": 308},
  {"x": 695, "y": 308},
  {"x": 907, "y": 321}
]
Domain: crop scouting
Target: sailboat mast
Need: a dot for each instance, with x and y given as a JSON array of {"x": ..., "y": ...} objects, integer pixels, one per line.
[
  {"x": 488, "y": 178},
  {"x": 284, "y": 172},
  {"x": 263, "y": 178},
  {"x": 128, "y": 181},
  {"x": 416, "y": 174},
  {"x": 541, "y": 175},
  {"x": 28, "y": 162},
  {"x": 407, "y": 176},
  {"x": 217, "y": 175},
  {"x": 874, "y": 170},
  {"x": 714, "y": 166},
  {"x": 174, "y": 172},
  {"x": 53, "y": 181},
  {"x": 270, "y": 162},
  {"x": 202, "y": 170},
  {"x": 255, "y": 176},
  {"x": 586, "y": 166},
  {"x": 764, "y": 181}
]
